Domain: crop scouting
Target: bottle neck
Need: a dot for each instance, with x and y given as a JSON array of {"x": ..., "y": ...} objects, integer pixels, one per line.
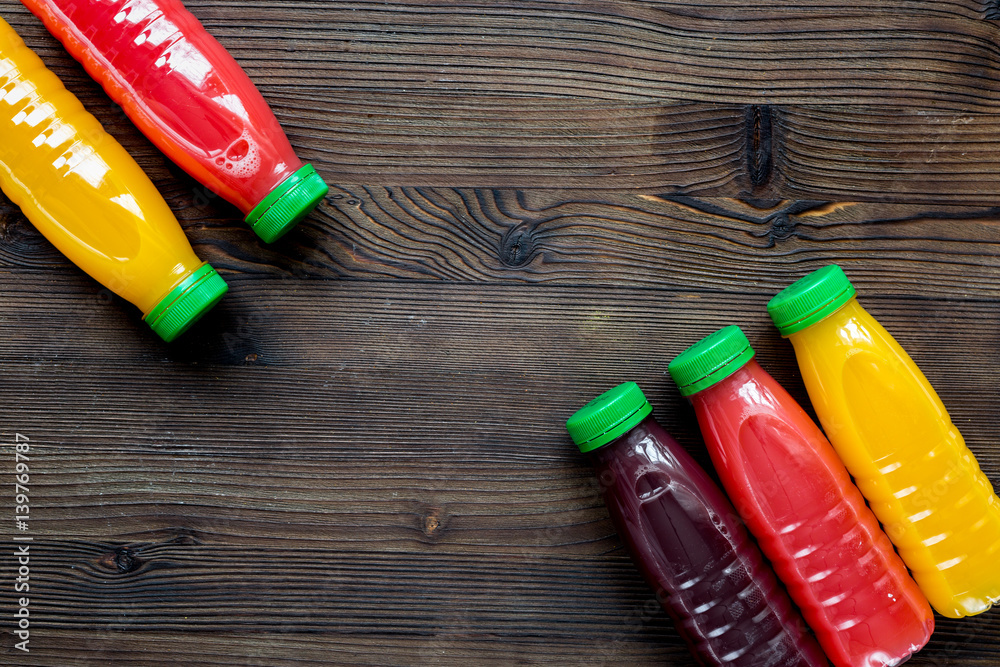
[
  {"x": 838, "y": 318},
  {"x": 620, "y": 445},
  {"x": 726, "y": 386}
]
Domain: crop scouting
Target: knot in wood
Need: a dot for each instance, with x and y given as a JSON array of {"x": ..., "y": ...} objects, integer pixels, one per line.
[
  {"x": 121, "y": 560},
  {"x": 517, "y": 246},
  {"x": 782, "y": 227},
  {"x": 432, "y": 521},
  {"x": 14, "y": 228},
  {"x": 758, "y": 144}
]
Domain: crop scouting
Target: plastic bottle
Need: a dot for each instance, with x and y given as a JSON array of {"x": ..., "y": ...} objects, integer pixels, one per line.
[
  {"x": 687, "y": 541},
  {"x": 188, "y": 95},
  {"x": 798, "y": 501},
  {"x": 80, "y": 188},
  {"x": 896, "y": 439}
]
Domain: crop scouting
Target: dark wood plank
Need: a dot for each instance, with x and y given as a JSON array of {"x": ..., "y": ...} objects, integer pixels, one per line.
[
  {"x": 888, "y": 154},
  {"x": 451, "y": 643},
  {"x": 556, "y": 237},
  {"x": 440, "y": 140},
  {"x": 830, "y": 152},
  {"x": 559, "y": 237},
  {"x": 609, "y": 51},
  {"x": 335, "y": 353},
  {"x": 845, "y": 128},
  {"x": 428, "y": 611}
]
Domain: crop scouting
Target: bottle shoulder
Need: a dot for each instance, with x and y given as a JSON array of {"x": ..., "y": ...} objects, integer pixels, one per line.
[{"x": 848, "y": 331}]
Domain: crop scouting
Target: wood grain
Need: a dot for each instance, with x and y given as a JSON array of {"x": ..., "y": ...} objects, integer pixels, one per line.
[
  {"x": 609, "y": 50},
  {"x": 906, "y": 110},
  {"x": 359, "y": 457},
  {"x": 555, "y": 237},
  {"x": 446, "y": 645},
  {"x": 384, "y": 464}
]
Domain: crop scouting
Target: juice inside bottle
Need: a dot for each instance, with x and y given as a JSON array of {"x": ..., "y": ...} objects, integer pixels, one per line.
[
  {"x": 897, "y": 440},
  {"x": 797, "y": 499},
  {"x": 687, "y": 541},
  {"x": 191, "y": 98},
  {"x": 80, "y": 188}
]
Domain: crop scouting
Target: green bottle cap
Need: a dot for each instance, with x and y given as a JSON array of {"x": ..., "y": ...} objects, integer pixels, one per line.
[
  {"x": 287, "y": 204},
  {"x": 810, "y": 299},
  {"x": 608, "y": 417},
  {"x": 187, "y": 302},
  {"x": 712, "y": 359}
]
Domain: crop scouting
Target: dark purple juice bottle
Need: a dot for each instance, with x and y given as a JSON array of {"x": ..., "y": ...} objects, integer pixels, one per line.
[{"x": 688, "y": 541}]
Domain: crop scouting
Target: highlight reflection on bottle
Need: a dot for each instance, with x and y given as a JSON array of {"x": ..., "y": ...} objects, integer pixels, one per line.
[
  {"x": 84, "y": 192},
  {"x": 190, "y": 97}
]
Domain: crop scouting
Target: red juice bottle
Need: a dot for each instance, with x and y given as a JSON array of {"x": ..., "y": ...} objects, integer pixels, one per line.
[
  {"x": 687, "y": 540},
  {"x": 797, "y": 499},
  {"x": 190, "y": 98}
]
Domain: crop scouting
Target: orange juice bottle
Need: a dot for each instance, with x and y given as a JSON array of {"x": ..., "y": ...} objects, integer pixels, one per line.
[
  {"x": 896, "y": 438},
  {"x": 80, "y": 188}
]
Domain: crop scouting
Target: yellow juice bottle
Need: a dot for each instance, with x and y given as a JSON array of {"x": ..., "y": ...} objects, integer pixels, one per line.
[
  {"x": 896, "y": 438},
  {"x": 80, "y": 188}
]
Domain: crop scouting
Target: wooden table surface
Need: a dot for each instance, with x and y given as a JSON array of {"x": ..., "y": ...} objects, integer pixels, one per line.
[{"x": 359, "y": 457}]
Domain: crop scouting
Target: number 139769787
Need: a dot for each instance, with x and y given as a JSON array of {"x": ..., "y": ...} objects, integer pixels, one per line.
[{"x": 21, "y": 479}]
